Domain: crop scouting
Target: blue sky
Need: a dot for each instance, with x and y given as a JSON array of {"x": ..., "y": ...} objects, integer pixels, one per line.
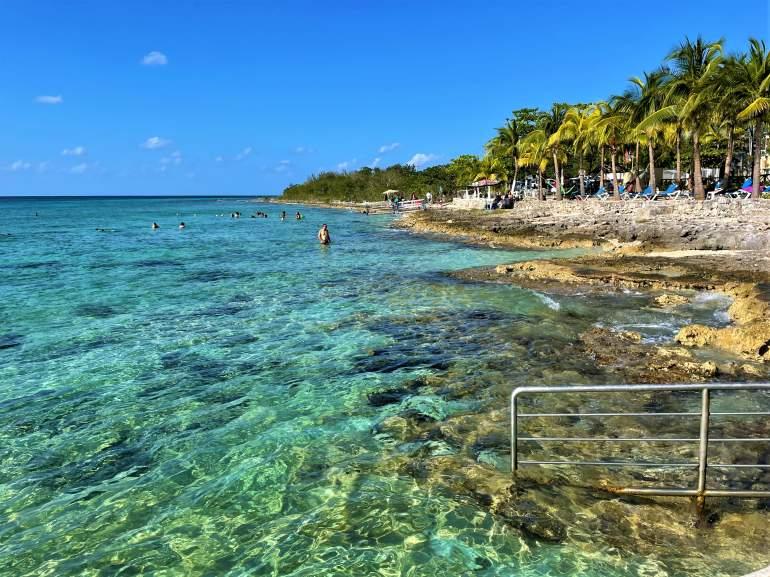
[{"x": 245, "y": 97}]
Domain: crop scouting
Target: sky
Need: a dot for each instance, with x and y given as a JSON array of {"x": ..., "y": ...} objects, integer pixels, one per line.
[{"x": 237, "y": 97}]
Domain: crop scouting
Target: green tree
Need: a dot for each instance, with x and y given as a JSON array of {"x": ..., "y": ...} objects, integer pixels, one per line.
[
  {"x": 692, "y": 93},
  {"x": 753, "y": 91}
]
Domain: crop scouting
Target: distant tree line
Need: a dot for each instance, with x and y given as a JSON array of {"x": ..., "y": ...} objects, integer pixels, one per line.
[{"x": 701, "y": 108}]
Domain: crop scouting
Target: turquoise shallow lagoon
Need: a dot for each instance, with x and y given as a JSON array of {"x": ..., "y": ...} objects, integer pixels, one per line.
[{"x": 195, "y": 402}]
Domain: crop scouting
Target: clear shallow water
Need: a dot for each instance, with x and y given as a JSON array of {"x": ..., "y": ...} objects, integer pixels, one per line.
[{"x": 195, "y": 402}]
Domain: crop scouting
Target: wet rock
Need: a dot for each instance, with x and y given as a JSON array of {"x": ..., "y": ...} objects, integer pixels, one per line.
[
  {"x": 670, "y": 300},
  {"x": 696, "y": 336},
  {"x": 390, "y": 397},
  {"x": 530, "y": 518},
  {"x": 424, "y": 408},
  {"x": 10, "y": 341},
  {"x": 396, "y": 427}
]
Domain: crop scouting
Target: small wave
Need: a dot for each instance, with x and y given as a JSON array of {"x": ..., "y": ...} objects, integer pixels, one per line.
[{"x": 548, "y": 301}]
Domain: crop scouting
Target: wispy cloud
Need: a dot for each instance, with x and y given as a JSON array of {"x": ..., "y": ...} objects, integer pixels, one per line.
[
  {"x": 344, "y": 165},
  {"x": 282, "y": 166},
  {"x": 79, "y": 168},
  {"x": 18, "y": 166},
  {"x": 421, "y": 159},
  {"x": 375, "y": 162},
  {"x": 244, "y": 153},
  {"x": 388, "y": 147},
  {"x": 174, "y": 158},
  {"x": 49, "y": 99},
  {"x": 155, "y": 58},
  {"x": 155, "y": 142},
  {"x": 75, "y": 151}
]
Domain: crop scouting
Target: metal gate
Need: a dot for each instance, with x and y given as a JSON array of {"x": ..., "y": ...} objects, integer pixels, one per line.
[{"x": 701, "y": 491}]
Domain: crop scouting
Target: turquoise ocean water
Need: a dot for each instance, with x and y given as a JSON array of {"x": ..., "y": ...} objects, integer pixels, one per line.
[{"x": 195, "y": 402}]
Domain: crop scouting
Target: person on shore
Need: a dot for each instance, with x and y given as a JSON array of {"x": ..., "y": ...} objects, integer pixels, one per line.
[
  {"x": 181, "y": 225},
  {"x": 155, "y": 226},
  {"x": 298, "y": 216},
  {"x": 428, "y": 197},
  {"x": 323, "y": 235}
]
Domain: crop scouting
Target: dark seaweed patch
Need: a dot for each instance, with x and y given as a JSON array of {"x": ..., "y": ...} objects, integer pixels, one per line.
[
  {"x": 9, "y": 341},
  {"x": 157, "y": 263},
  {"x": 94, "y": 310}
]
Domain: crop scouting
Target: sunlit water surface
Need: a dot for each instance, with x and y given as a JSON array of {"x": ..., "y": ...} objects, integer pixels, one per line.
[{"x": 195, "y": 402}]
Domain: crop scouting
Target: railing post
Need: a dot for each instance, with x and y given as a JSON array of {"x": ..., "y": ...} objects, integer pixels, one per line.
[
  {"x": 514, "y": 434},
  {"x": 703, "y": 449}
]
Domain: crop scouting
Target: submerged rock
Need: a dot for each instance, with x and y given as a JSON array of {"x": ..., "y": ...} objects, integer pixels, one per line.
[{"x": 670, "y": 300}]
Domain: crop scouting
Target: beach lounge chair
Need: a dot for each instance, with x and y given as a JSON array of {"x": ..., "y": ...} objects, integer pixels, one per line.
[
  {"x": 718, "y": 189},
  {"x": 744, "y": 192},
  {"x": 601, "y": 194},
  {"x": 647, "y": 194},
  {"x": 671, "y": 192}
]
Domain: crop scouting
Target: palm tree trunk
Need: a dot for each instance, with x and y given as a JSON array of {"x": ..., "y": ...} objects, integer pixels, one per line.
[
  {"x": 757, "y": 158},
  {"x": 615, "y": 188},
  {"x": 700, "y": 193},
  {"x": 515, "y": 176},
  {"x": 540, "y": 195},
  {"x": 601, "y": 168},
  {"x": 729, "y": 157},
  {"x": 556, "y": 172},
  {"x": 580, "y": 179},
  {"x": 678, "y": 159},
  {"x": 650, "y": 149},
  {"x": 636, "y": 158}
]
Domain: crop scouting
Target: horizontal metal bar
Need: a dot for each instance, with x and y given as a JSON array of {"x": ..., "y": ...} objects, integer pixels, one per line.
[
  {"x": 642, "y": 439},
  {"x": 663, "y": 492},
  {"x": 690, "y": 492},
  {"x": 643, "y": 388},
  {"x": 737, "y": 493},
  {"x": 738, "y": 466},
  {"x": 750, "y": 440},
  {"x": 520, "y": 415},
  {"x": 741, "y": 414},
  {"x": 609, "y": 439},
  {"x": 610, "y": 464}
]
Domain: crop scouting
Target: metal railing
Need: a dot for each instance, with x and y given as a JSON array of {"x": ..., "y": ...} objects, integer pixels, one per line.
[{"x": 701, "y": 491}]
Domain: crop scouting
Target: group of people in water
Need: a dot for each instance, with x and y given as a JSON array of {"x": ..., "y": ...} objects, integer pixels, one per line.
[{"x": 323, "y": 234}]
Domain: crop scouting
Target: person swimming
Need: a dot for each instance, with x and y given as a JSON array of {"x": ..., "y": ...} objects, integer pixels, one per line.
[
  {"x": 323, "y": 235},
  {"x": 298, "y": 216},
  {"x": 155, "y": 225},
  {"x": 283, "y": 215},
  {"x": 181, "y": 225}
]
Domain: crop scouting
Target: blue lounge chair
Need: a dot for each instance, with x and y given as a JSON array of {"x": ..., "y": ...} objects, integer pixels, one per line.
[
  {"x": 671, "y": 192},
  {"x": 648, "y": 194},
  {"x": 601, "y": 194}
]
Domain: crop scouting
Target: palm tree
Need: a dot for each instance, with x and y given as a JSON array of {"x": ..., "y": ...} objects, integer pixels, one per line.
[
  {"x": 610, "y": 130},
  {"x": 533, "y": 151},
  {"x": 491, "y": 168},
  {"x": 692, "y": 92},
  {"x": 577, "y": 129},
  {"x": 550, "y": 124},
  {"x": 506, "y": 144},
  {"x": 753, "y": 89},
  {"x": 646, "y": 96}
]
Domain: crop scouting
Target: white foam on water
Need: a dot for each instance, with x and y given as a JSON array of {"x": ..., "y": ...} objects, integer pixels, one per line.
[{"x": 548, "y": 301}]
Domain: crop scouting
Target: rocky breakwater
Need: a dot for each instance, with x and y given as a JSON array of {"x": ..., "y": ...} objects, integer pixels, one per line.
[{"x": 636, "y": 225}]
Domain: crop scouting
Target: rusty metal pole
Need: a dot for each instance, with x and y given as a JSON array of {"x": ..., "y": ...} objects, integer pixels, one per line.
[{"x": 700, "y": 499}]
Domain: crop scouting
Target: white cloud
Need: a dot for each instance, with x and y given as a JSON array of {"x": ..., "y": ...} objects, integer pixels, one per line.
[
  {"x": 79, "y": 168},
  {"x": 421, "y": 159},
  {"x": 155, "y": 58},
  {"x": 244, "y": 153},
  {"x": 49, "y": 99},
  {"x": 300, "y": 149},
  {"x": 375, "y": 162},
  {"x": 155, "y": 142},
  {"x": 388, "y": 147},
  {"x": 343, "y": 165},
  {"x": 174, "y": 158},
  {"x": 76, "y": 151},
  {"x": 19, "y": 166}
]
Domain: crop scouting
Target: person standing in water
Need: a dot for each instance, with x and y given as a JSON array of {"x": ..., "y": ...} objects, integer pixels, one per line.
[
  {"x": 283, "y": 215},
  {"x": 298, "y": 216},
  {"x": 155, "y": 225},
  {"x": 181, "y": 225},
  {"x": 323, "y": 235}
]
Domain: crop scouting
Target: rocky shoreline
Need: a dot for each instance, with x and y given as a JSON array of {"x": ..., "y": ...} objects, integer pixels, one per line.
[
  {"x": 668, "y": 246},
  {"x": 648, "y": 253}
]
